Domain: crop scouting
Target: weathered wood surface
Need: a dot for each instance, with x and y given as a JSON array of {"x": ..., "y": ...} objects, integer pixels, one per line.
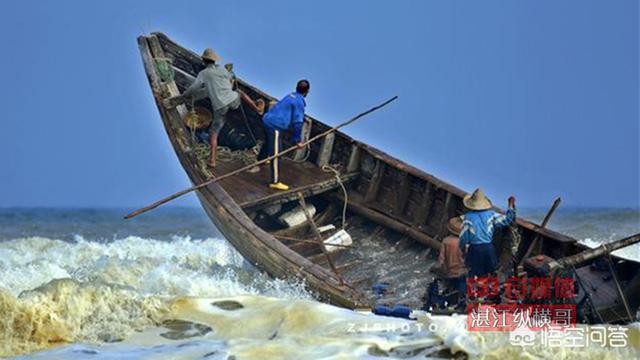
[
  {"x": 251, "y": 190},
  {"x": 601, "y": 250},
  {"x": 359, "y": 207},
  {"x": 326, "y": 148}
]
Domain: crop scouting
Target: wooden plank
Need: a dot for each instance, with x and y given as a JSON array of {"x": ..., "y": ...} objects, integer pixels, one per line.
[
  {"x": 181, "y": 55},
  {"x": 374, "y": 184},
  {"x": 402, "y": 195},
  {"x": 420, "y": 217},
  {"x": 299, "y": 154},
  {"x": 307, "y": 190},
  {"x": 171, "y": 86},
  {"x": 326, "y": 148},
  {"x": 442, "y": 228},
  {"x": 149, "y": 65},
  {"x": 362, "y": 209},
  {"x": 354, "y": 159}
]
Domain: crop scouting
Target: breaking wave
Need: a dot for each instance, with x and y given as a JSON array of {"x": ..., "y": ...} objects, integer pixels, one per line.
[{"x": 54, "y": 291}]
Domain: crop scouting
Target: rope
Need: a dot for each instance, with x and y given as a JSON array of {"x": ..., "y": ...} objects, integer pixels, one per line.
[
  {"x": 328, "y": 168},
  {"x": 516, "y": 238},
  {"x": 246, "y": 123},
  {"x": 224, "y": 154},
  {"x": 307, "y": 150}
]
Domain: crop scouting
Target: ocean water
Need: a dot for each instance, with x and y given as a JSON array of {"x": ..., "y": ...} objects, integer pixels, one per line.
[{"x": 85, "y": 284}]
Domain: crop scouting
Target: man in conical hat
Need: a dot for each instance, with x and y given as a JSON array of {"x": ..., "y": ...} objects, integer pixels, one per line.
[
  {"x": 479, "y": 223},
  {"x": 218, "y": 83}
]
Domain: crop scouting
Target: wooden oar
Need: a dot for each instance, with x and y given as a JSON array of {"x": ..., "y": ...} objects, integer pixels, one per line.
[{"x": 243, "y": 169}]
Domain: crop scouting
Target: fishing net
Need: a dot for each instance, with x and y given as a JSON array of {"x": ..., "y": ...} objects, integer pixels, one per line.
[
  {"x": 224, "y": 154},
  {"x": 164, "y": 68}
]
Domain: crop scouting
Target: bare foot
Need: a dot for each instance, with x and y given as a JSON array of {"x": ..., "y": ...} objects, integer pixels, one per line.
[{"x": 211, "y": 164}]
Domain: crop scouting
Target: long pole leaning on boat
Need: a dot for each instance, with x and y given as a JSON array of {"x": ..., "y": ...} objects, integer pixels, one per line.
[
  {"x": 587, "y": 255},
  {"x": 243, "y": 169}
]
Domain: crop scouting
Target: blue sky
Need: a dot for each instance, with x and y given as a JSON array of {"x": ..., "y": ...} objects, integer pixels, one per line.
[{"x": 535, "y": 98}]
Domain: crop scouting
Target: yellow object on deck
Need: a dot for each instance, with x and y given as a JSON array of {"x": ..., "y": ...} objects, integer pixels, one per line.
[{"x": 198, "y": 118}]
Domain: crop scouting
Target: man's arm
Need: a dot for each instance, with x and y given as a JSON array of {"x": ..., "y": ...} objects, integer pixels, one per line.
[
  {"x": 500, "y": 220},
  {"x": 197, "y": 85}
]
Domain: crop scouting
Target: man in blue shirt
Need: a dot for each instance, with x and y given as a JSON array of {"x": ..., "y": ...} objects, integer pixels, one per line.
[
  {"x": 287, "y": 114},
  {"x": 478, "y": 226}
]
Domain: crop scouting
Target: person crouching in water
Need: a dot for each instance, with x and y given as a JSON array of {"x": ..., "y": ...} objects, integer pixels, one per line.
[
  {"x": 476, "y": 237},
  {"x": 286, "y": 114}
]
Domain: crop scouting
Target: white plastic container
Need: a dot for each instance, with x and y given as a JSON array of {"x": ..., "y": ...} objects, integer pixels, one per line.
[
  {"x": 339, "y": 238},
  {"x": 296, "y": 216}
]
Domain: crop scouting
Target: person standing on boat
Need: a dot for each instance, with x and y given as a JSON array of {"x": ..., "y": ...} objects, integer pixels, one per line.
[
  {"x": 287, "y": 114},
  {"x": 478, "y": 225},
  {"x": 218, "y": 82}
]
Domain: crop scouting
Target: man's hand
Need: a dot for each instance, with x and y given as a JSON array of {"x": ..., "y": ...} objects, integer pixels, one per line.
[
  {"x": 300, "y": 145},
  {"x": 172, "y": 102},
  {"x": 512, "y": 202}
]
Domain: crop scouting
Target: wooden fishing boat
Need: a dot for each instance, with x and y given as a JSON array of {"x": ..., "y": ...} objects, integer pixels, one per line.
[{"x": 396, "y": 213}]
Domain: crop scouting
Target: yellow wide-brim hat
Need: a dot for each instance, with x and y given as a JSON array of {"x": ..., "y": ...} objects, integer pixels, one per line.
[
  {"x": 477, "y": 201},
  {"x": 209, "y": 54}
]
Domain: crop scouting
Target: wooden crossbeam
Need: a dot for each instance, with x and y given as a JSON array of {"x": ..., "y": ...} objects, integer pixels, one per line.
[{"x": 306, "y": 190}]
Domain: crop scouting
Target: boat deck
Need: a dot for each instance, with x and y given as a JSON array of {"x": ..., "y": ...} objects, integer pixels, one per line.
[{"x": 252, "y": 190}]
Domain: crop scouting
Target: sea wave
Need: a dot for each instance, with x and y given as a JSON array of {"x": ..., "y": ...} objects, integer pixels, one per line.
[
  {"x": 68, "y": 291},
  {"x": 258, "y": 327}
]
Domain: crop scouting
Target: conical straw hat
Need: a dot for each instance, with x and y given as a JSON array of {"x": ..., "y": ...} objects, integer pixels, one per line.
[
  {"x": 477, "y": 200},
  {"x": 455, "y": 225},
  {"x": 209, "y": 54}
]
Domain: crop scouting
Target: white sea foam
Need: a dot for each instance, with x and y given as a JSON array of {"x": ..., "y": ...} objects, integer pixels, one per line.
[
  {"x": 53, "y": 290},
  {"x": 208, "y": 267}
]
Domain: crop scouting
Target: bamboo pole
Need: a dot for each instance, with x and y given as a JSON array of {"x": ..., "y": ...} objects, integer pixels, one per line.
[
  {"x": 243, "y": 169},
  {"x": 586, "y": 255},
  {"x": 320, "y": 243},
  {"x": 619, "y": 287},
  {"x": 310, "y": 241},
  {"x": 546, "y": 219}
]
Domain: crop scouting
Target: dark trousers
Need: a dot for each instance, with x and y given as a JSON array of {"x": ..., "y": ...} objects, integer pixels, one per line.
[
  {"x": 481, "y": 260},
  {"x": 271, "y": 147}
]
